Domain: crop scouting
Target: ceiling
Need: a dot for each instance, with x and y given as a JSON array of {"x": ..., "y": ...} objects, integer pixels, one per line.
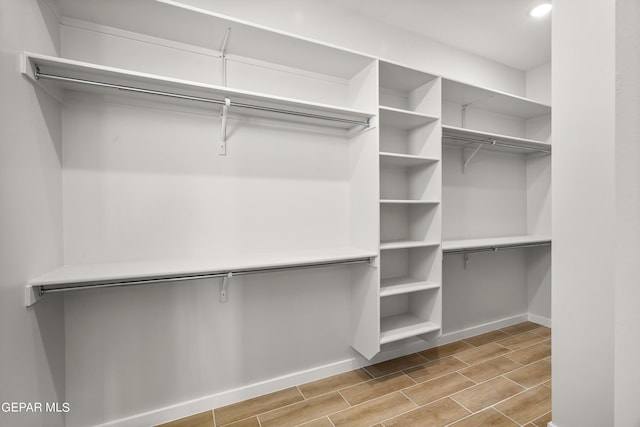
[{"x": 501, "y": 30}]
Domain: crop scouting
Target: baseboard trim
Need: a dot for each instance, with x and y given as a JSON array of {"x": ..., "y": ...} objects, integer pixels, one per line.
[
  {"x": 540, "y": 320},
  {"x": 551, "y": 424},
  {"x": 227, "y": 397}
]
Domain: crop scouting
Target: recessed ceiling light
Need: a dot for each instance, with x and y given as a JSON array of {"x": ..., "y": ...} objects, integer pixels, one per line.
[{"x": 540, "y": 10}]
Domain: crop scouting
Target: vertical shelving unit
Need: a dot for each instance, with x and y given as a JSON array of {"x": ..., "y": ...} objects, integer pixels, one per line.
[
  {"x": 410, "y": 213},
  {"x": 496, "y": 204}
]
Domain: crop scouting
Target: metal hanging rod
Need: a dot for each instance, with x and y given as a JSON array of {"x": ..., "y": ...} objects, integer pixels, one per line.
[
  {"x": 41, "y": 291},
  {"x": 39, "y": 75},
  {"x": 494, "y": 248},
  {"x": 496, "y": 143}
]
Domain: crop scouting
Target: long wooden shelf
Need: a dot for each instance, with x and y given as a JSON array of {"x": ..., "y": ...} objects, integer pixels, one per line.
[
  {"x": 337, "y": 117},
  {"x": 401, "y": 326},
  {"x": 404, "y": 285},
  {"x": 461, "y": 136},
  {"x": 493, "y": 243},
  {"x": 70, "y": 277}
]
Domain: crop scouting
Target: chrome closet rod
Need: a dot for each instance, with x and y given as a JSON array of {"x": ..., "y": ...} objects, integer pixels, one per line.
[
  {"x": 41, "y": 290},
  {"x": 39, "y": 75},
  {"x": 494, "y": 248},
  {"x": 501, "y": 144}
]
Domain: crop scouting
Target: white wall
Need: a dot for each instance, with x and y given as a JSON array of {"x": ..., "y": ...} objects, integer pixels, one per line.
[
  {"x": 538, "y": 85},
  {"x": 31, "y": 340},
  {"x": 584, "y": 213},
  {"x": 325, "y": 22},
  {"x": 627, "y": 154}
]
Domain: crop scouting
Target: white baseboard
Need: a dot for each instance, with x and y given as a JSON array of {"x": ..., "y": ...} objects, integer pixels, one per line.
[
  {"x": 227, "y": 397},
  {"x": 551, "y": 424},
  {"x": 540, "y": 320}
]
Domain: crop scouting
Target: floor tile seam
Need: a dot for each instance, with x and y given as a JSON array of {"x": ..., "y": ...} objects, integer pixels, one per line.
[
  {"x": 518, "y": 384},
  {"x": 367, "y": 401},
  {"x": 525, "y": 347},
  {"x": 315, "y": 419},
  {"x": 505, "y": 415},
  {"x": 493, "y": 358},
  {"x": 338, "y": 389},
  {"x": 540, "y": 335},
  {"x": 426, "y": 360},
  {"x": 522, "y": 385},
  {"x": 450, "y": 395},
  {"x": 413, "y": 409},
  {"x": 264, "y": 412},
  {"x": 546, "y": 413},
  {"x": 460, "y": 403},
  {"x": 374, "y": 379},
  {"x": 291, "y": 404},
  {"x": 494, "y": 406},
  {"x": 236, "y": 421},
  {"x": 440, "y": 375}
]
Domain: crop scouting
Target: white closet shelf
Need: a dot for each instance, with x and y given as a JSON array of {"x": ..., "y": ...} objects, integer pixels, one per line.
[
  {"x": 492, "y": 100},
  {"x": 71, "y": 277},
  {"x": 388, "y": 159},
  {"x": 76, "y": 72},
  {"x": 494, "y": 243},
  {"x": 405, "y": 244},
  {"x": 403, "y": 119},
  {"x": 408, "y": 202},
  {"x": 206, "y": 29},
  {"x": 402, "y": 79},
  {"x": 404, "y": 285},
  {"x": 460, "y": 136},
  {"x": 401, "y": 326}
]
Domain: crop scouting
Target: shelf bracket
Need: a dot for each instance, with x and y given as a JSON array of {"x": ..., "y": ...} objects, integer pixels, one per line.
[
  {"x": 223, "y": 52},
  {"x": 465, "y": 258},
  {"x": 222, "y": 148},
  {"x": 466, "y": 160},
  {"x": 224, "y": 287}
]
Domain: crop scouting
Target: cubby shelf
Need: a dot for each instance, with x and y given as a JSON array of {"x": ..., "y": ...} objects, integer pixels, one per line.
[
  {"x": 460, "y": 136},
  {"x": 403, "y": 285},
  {"x": 408, "y": 202},
  {"x": 403, "y": 119},
  {"x": 404, "y": 160},
  {"x": 405, "y": 325},
  {"x": 77, "y": 73},
  {"x": 405, "y": 244}
]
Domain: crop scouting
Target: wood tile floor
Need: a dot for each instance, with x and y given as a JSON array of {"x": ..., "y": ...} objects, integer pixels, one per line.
[{"x": 498, "y": 379}]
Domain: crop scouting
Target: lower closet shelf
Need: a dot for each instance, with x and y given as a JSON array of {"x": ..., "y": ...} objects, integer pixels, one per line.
[
  {"x": 70, "y": 277},
  {"x": 401, "y": 326}
]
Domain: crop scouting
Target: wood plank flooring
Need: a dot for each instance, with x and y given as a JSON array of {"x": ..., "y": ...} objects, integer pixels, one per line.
[{"x": 498, "y": 379}]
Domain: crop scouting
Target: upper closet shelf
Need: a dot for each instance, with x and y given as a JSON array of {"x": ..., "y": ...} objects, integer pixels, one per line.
[
  {"x": 56, "y": 74},
  {"x": 491, "y": 100},
  {"x": 205, "y": 29},
  {"x": 459, "y": 136},
  {"x": 73, "y": 277},
  {"x": 493, "y": 244},
  {"x": 403, "y": 119}
]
